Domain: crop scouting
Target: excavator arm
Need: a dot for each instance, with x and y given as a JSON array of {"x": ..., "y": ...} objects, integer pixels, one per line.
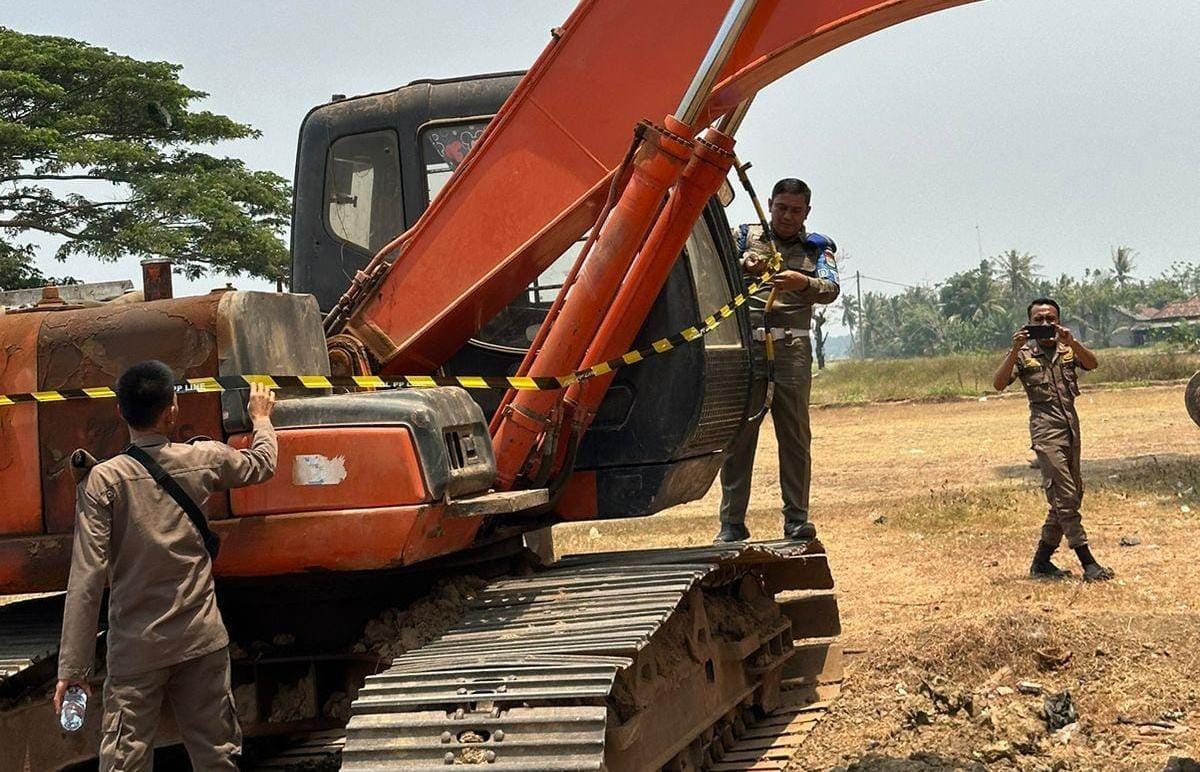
[
  {"x": 539, "y": 177},
  {"x": 550, "y": 168}
]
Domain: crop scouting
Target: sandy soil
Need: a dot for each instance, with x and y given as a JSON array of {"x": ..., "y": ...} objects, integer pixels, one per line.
[{"x": 930, "y": 515}]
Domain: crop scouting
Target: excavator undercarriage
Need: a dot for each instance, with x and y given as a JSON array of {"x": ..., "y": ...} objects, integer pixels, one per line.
[
  {"x": 618, "y": 661},
  {"x": 717, "y": 657}
]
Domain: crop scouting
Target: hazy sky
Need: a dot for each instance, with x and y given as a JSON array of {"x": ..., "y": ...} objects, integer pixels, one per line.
[{"x": 1058, "y": 127}]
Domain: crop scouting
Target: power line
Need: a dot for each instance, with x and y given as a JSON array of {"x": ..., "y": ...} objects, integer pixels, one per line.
[{"x": 889, "y": 281}]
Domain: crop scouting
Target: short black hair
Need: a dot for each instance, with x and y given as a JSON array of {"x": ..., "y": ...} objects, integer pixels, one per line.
[
  {"x": 1042, "y": 302},
  {"x": 794, "y": 187},
  {"x": 144, "y": 391}
]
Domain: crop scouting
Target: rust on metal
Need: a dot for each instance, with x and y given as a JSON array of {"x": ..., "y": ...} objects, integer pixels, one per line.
[
  {"x": 92, "y": 347},
  {"x": 651, "y": 659},
  {"x": 34, "y": 563},
  {"x": 19, "y": 465},
  {"x": 348, "y": 356},
  {"x": 156, "y": 278},
  {"x": 50, "y": 297}
]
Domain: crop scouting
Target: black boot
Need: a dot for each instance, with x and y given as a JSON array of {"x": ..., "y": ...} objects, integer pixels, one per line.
[
  {"x": 1042, "y": 568},
  {"x": 731, "y": 532},
  {"x": 799, "y": 530},
  {"x": 1092, "y": 571}
]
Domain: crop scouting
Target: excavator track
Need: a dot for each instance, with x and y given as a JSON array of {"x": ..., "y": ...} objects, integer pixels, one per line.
[
  {"x": 30, "y": 635},
  {"x": 715, "y": 657}
]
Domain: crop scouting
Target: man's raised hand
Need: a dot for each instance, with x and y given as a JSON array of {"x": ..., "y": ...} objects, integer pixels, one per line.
[{"x": 261, "y": 402}]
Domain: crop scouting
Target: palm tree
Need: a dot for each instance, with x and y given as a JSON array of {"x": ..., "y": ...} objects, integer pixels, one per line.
[
  {"x": 850, "y": 316},
  {"x": 1123, "y": 264},
  {"x": 872, "y": 323},
  {"x": 1017, "y": 272}
]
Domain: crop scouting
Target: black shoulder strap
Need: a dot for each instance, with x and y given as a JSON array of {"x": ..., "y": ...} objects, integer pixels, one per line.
[{"x": 212, "y": 542}]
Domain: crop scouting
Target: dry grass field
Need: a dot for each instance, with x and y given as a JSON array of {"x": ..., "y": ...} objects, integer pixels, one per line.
[{"x": 930, "y": 513}]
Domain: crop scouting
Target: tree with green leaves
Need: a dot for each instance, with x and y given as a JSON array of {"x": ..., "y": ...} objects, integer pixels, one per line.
[
  {"x": 1018, "y": 273},
  {"x": 850, "y": 317},
  {"x": 1122, "y": 264},
  {"x": 16, "y": 272},
  {"x": 871, "y": 323},
  {"x": 920, "y": 323},
  {"x": 1098, "y": 297},
  {"x": 100, "y": 153},
  {"x": 972, "y": 296}
]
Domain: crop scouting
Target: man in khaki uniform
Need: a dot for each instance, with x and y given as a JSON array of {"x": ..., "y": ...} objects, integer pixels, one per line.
[
  {"x": 166, "y": 638},
  {"x": 809, "y": 276},
  {"x": 1047, "y": 368}
]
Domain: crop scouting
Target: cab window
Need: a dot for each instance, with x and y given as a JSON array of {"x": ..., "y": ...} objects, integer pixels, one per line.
[
  {"x": 444, "y": 147},
  {"x": 712, "y": 288},
  {"x": 362, "y": 190}
]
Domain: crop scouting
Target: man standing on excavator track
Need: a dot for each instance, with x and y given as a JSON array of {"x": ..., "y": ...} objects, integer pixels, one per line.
[
  {"x": 809, "y": 276},
  {"x": 1045, "y": 356},
  {"x": 139, "y": 527}
]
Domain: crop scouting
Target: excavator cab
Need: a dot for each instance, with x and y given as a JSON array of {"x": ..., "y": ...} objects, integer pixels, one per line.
[{"x": 367, "y": 168}]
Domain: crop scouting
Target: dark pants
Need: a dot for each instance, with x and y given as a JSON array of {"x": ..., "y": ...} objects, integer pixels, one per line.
[
  {"x": 201, "y": 701},
  {"x": 1064, "y": 493},
  {"x": 789, "y": 413}
]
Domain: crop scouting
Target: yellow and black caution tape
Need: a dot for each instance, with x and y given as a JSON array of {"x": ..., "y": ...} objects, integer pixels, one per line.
[{"x": 221, "y": 383}]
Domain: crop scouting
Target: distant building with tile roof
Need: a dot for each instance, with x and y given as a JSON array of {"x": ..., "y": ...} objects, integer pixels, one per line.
[{"x": 1145, "y": 321}]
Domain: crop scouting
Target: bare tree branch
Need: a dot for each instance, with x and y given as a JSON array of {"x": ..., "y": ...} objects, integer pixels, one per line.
[
  {"x": 58, "y": 177},
  {"x": 37, "y": 225}
]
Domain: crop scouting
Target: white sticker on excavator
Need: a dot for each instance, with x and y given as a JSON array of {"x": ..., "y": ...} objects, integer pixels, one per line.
[{"x": 318, "y": 470}]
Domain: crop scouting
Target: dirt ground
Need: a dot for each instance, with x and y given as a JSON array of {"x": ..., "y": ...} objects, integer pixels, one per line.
[{"x": 930, "y": 515}]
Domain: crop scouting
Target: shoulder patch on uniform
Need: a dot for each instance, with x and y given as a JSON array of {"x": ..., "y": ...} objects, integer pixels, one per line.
[
  {"x": 743, "y": 237},
  {"x": 1030, "y": 363},
  {"x": 99, "y": 485}
]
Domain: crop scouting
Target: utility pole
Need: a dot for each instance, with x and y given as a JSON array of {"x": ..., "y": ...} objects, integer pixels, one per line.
[
  {"x": 979, "y": 242},
  {"x": 862, "y": 341}
]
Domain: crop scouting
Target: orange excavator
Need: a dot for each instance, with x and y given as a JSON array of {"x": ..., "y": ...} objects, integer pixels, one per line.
[{"x": 510, "y": 228}]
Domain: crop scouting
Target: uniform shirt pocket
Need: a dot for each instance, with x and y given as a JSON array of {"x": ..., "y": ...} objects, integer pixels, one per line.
[{"x": 1037, "y": 384}]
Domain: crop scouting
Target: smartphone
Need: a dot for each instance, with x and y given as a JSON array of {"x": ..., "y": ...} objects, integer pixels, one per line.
[{"x": 1040, "y": 331}]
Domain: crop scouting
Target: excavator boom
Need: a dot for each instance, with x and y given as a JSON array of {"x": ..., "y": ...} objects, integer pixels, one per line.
[{"x": 514, "y": 206}]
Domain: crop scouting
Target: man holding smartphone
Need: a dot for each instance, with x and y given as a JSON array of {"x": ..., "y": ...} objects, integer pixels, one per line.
[{"x": 1045, "y": 356}]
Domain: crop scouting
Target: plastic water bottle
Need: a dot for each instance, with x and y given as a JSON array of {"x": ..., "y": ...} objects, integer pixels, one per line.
[{"x": 73, "y": 708}]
